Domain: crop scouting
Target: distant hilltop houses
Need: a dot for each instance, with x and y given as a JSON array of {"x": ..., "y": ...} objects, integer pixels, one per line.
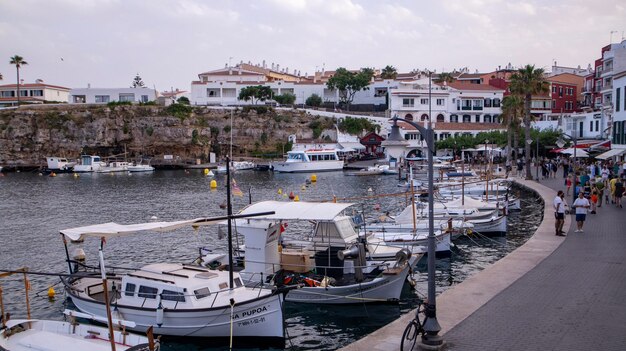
[{"x": 586, "y": 101}]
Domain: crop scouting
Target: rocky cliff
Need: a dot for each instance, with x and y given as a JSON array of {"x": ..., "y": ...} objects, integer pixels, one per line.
[{"x": 29, "y": 134}]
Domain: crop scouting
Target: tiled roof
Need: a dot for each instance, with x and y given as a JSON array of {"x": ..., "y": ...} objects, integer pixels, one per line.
[
  {"x": 235, "y": 72},
  {"x": 470, "y": 86},
  {"x": 439, "y": 126},
  {"x": 470, "y": 75},
  {"x": 33, "y": 85}
]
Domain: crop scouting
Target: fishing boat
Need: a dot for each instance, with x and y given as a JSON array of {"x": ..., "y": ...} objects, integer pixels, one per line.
[
  {"x": 335, "y": 266},
  {"x": 48, "y": 335},
  {"x": 89, "y": 163},
  {"x": 173, "y": 298},
  {"x": 114, "y": 167},
  {"x": 311, "y": 160},
  {"x": 59, "y": 165},
  {"x": 139, "y": 167},
  {"x": 236, "y": 166}
]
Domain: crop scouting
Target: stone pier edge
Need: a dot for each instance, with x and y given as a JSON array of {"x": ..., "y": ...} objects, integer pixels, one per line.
[{"x": 461, "y": 300}]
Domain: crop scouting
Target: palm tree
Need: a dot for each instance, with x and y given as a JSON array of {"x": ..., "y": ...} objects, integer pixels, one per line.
[
  {"x": 18, "y": 61},
  {"x": 512, "y": 110},
  {"x": 444, "y": 77},
  {"x": 528, "y": 81},
  {"x": 389, "y": 72}
]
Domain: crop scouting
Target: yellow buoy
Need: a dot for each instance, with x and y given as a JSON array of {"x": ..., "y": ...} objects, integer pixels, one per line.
[
  {"x": 76, "y": 175},
  {"x": 280, "y": 191},
  {"x": 51, "y": 292},
  {"x": 213, "y": 184},
  {"x": 206, "y": 171},
  {"x": 296, "y": 198},
  {"x": 314, "y": 178}
]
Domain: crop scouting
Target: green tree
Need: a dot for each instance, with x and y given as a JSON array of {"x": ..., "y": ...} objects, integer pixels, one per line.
[
  {"x": 285, "y": 99},
  {"x": 138, "y": 82},
  {"x": 314, "y": 100},
  {"x": 356, "y": 126},
  {"x": 18, "y": 61},
  {"x": 528, "y": 81},
  {"x": 349, "y": 83},
  {"x": 1, "y": 77},
  {"x": 183, "y": 100},
  {"x": 512, "y": 111},
  {"x": 444, "y": 77},
  {"x": 255, "y": 93},
  {"x": 389, "y": 72}
]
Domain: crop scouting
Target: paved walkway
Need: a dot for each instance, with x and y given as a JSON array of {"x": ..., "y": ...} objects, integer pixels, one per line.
[{"x": 575, "y": 299}]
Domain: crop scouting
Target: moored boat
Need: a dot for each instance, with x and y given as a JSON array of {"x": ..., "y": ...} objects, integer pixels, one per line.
[
  {"x": 89, "y": 163},
  {"x": 311, "y": 160}
]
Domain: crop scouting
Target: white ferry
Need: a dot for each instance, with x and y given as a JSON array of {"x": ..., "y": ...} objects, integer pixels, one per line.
[{"x": 312, "y": 160}]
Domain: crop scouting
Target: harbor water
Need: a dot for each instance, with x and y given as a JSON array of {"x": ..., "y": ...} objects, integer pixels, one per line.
[{"x": 34, "y": 208}]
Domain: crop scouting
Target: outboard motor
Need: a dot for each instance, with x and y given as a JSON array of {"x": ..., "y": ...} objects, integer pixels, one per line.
[
  {"x": 357, "y": 253},
  {"x": 79, "y": 258}
]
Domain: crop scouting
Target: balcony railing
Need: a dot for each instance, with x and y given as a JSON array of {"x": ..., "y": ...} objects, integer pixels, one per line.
[
  {"x": 598, "y": 88},
  {"x": 607, "y": 69},
  {"x": 466, "y": 108},
  {"x": 607, "y": 86}
]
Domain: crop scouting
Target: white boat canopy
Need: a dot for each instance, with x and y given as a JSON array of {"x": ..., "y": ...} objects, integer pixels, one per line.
[
  {"x": 611, "y": 153},
  {"x": 315, "y": 211},
  {"x": 111, "y": 229}
]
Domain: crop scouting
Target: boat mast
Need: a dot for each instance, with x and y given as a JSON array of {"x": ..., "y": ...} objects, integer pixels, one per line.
[
  {"x": 107, "y": 303},
  {"x": 229, "y": 209},
  {"x": 231, "y": 134}
]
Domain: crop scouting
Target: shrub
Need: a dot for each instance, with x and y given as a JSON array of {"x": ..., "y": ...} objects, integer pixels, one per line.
[
  {"x": 119, "y": 103},
  {"x": 179, "y": 110},
  {"x": 149, "y": 131},
  {"x": 314, "y": 100},
  {"x": 226, "y": 129},
  {"x": 183, "y": 100},
  {"x": 259, "y": 109},
  {"x": 148, "y": 103}
]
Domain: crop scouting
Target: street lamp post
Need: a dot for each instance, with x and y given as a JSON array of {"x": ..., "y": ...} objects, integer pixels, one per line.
[
  {"x": 537, "y": 152},
  {"x": 431, "y": 325},
  {"x": 529, "y": 142}
]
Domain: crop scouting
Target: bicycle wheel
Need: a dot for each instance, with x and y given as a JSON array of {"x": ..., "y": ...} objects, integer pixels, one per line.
[{"x": 410, "y": 335}]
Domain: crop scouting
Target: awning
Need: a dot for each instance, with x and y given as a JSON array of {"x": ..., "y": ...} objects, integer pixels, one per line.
[
  {"x": 579, "y": 152},
  {"x": 611, "y": 153},
  {"x": 351, "y": 145},
  {"x": 314, "y": 211}
]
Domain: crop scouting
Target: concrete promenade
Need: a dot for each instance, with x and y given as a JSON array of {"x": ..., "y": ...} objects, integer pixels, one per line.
[{"x": 552, "y": 293}]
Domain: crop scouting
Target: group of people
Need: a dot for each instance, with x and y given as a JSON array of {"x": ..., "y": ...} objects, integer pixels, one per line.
[{"x": 593, "y": 184}]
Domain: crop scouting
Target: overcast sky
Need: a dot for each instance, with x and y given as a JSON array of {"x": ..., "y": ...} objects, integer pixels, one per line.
[{"x": 168, "y": 42}]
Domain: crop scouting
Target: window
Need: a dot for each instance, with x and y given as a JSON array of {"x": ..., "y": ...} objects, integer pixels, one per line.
[
  {"x": 147, "y": 292},
  {"x": 477, "y": 104},
  {"x": 496, "y": 118},
  {"x": 424, "y": 101},
  {"x": 477, "y": 119},
  {"x": 380, "y": 92},
  {"x": 496, "y": 102},
  {"x": 466, "y": 104},
  {"x": 454, "y": 118},
  {"x": 617, "y": 102},
  {"x": 23, "y": 92},
  {"x": 37, "y": 93},
  {"x": 440, "y": 118},
  {"x": 487, "y": 118},
  {"x": 424, "y": 117},
  {"x": 597, "y": 126},
  {"x": 408, "y": 102},
  {"x": 144, "y": 98},
  {"x": 408, "y": 117},
  {"x": 580, "y": 129},
  {"x": 440, "y": 102},
  {"x": 553, "y": 89},
  {"x": 10, "y": 93},
  {"x": 102, "y": 98},
  {"x": 488, "y": 102},
  {"x": 591, "y": 126},
  {"x": 130, "y": 289},
  {"x": 169, "y": 295},
  {"x": 553, "y": 104},
  {"x": 127, "y": 97},
  {"x": 467, "y": 118},
  {"x": 201, "y": 293},
  {"x": 560, "y": 91}
]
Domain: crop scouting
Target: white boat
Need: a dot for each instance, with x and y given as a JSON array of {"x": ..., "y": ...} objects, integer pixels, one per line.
[
  {"x": 47, "y": 335},
  {"x": 59, "y": 164},
  {"x": 89, "y": 163},
  {"x": 336, "y": 266},
  {"x": 312, "y": 160},
  {"x": 114, "y": 167},
  {"x": 236, "y": 166},
  {"x": 139, "y": 167},
  {"x": 177, "y": 299},
  {"x": 412, "y": 240}
]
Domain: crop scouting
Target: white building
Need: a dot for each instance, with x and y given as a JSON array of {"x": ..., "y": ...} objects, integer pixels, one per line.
[
  {"x": 34, "y": 93},
  {"x": 619, "y": 105},
  {"x": 105, "y": 95}
]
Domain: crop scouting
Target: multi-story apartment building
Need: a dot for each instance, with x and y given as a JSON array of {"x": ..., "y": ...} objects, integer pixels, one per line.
[
  {"x": 33, "y": 93},
  {"x": 619, "y": 115}
]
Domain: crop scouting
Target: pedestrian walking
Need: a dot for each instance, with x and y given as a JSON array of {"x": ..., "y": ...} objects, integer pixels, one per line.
[
  {"x": 619, "y": 192},
  {"x": 594, "y": 198},
  {"x": 568, "y": 183},
  {"x": 581, "y": 205},
  {"x": 559, "y": 212}
]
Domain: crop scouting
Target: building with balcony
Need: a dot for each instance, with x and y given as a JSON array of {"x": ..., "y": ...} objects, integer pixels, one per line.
[
  {"x": 564, "y": 90},
  {"x": 32, "y": 93},
  {"x": 619, "y": 106}
]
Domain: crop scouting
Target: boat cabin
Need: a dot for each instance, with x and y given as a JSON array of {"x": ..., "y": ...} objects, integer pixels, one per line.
[{"x": 312, "y": 156}]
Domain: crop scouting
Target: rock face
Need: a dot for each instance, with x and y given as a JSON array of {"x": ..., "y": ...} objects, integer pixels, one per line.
[{"x": 29, "y": 134}]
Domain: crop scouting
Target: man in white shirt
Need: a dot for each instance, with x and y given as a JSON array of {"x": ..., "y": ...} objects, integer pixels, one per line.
[
  {"x": 581, "y": 204},
  {"x": 559, "y": 214}
]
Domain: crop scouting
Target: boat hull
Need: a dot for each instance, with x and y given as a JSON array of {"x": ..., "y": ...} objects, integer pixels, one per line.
[
  {"x": 262, "y": 317},
  {"x": 493, "y": 226},
  {"x": 303, "y": 167}
]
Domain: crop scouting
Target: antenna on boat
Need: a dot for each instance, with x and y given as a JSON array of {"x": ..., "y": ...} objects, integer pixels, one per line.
[{"x": 229, "y": 212}]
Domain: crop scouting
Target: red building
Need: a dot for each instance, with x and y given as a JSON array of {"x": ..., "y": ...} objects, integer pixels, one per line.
[
  {"x": 564, "y": 96},
  {"x": 372, "y": 142}
]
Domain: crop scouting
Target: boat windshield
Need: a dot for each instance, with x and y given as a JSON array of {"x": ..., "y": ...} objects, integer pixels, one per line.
[
  {"x": 296, "y": 157},
  {"x": 86, "y": 160}
]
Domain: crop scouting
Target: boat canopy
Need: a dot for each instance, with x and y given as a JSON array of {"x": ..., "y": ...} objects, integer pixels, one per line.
[
  {"x": 315, "y": 211},
  {"x": 111, "y": 229}
]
